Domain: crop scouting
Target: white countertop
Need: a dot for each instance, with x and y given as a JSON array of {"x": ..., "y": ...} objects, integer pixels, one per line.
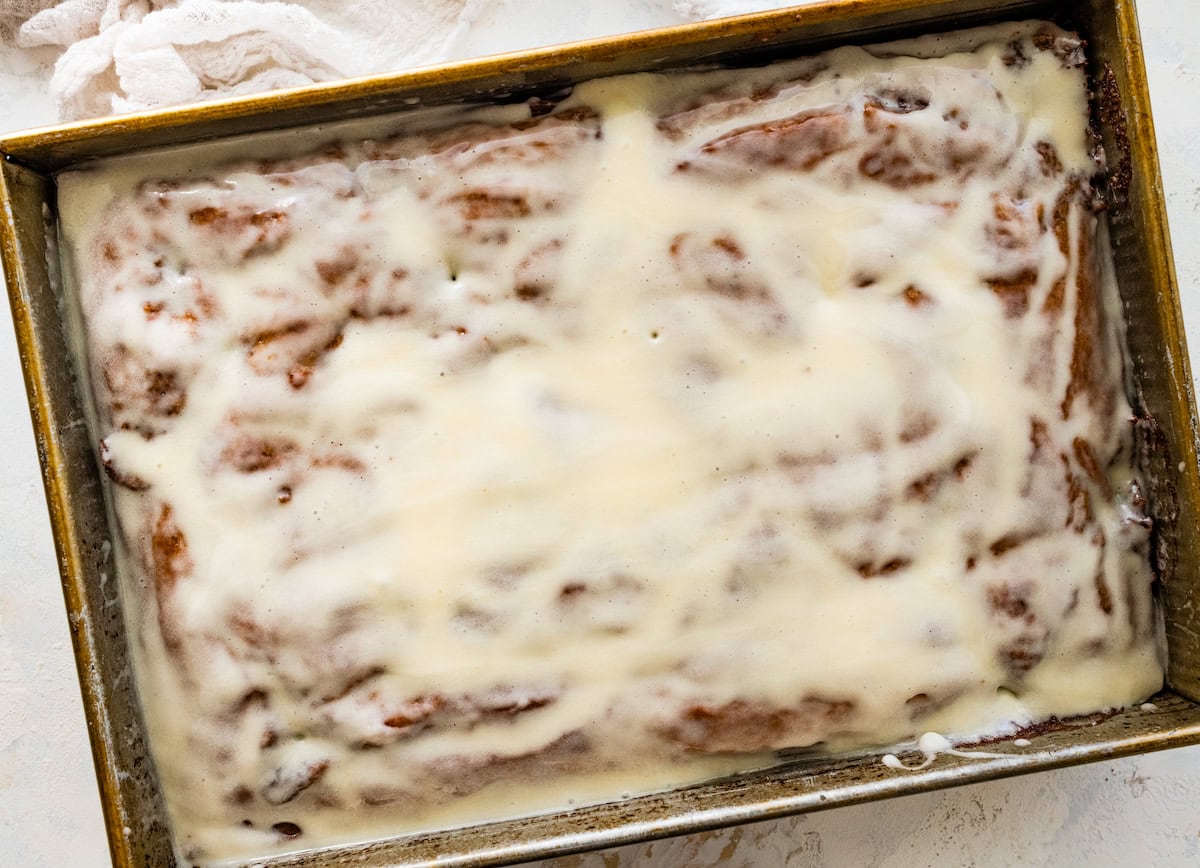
[{"x": 1140, "y": 811}]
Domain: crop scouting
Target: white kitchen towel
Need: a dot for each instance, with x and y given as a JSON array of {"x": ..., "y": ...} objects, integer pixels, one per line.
[
  {"x": 704, "y": 9},
  {"x": 128, "y": 55},
  {"x": 14, "y": 13}
]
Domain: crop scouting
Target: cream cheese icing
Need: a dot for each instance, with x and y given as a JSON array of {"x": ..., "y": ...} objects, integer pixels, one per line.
[{"x": 538, "y": 454}]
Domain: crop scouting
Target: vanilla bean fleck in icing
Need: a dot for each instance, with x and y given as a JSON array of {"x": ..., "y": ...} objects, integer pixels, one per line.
[{"x": 555, "y": 451}]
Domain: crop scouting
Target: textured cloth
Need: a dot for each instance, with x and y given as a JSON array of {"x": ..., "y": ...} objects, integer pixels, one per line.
[
  {"x": 13, "y": 13},
  {"x": 129, "y": 55},
  {"x": 702, "y": 9},
  {"x": 126, "y": 55}
]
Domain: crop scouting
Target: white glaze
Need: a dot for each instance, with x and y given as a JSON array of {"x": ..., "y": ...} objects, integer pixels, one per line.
[
  {"x": 934, "y": 744},
  {"x": 680, "y": 454}
]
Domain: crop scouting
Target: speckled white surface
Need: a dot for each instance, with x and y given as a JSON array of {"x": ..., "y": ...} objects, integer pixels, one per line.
[{"x": 1141, "y": 811}]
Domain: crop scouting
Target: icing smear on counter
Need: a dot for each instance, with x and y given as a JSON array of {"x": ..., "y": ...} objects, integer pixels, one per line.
[{"x": 549, "y": 452}]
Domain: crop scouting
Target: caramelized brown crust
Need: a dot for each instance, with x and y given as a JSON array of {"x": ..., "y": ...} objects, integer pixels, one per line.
[{"x": 740, "y": 725}]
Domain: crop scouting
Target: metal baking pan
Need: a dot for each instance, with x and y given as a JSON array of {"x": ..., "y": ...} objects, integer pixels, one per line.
[{"x": 135, "y": 816}]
